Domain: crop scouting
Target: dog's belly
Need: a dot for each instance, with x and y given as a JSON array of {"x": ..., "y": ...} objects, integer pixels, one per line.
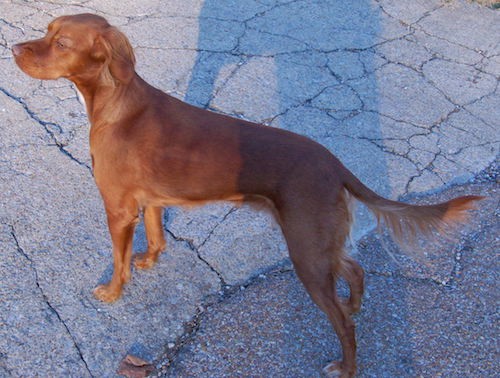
[{"x": 147, "y": 198}]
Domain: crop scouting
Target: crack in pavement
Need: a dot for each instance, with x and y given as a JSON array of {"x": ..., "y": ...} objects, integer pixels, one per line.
[
  {"x": 192, "y": 326},
  {"x": 193, "y": 248},
  {"x": 47, "y": 126},
  {"x": 196, "y": 248},
  {"x": 210, "y": 233},
  {"x": 23, "y": 253},
  {"x": 475, "y": 50}
]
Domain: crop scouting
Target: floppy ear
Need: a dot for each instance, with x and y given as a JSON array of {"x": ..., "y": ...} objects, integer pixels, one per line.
[{"x": 115, "y": 50}]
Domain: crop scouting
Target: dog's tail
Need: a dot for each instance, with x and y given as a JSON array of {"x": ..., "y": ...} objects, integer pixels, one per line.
[{"x": 405, "y": 221}]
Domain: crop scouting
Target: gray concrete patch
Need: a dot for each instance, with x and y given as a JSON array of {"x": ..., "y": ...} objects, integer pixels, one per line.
[
  {"x": 404, "y": 92},
  {"x": 242, "y": 246}
]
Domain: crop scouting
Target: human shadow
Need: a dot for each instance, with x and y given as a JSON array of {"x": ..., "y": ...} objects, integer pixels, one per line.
[
  {"x": 305, "y": 66},
  {"x": 300, "y": 66}
]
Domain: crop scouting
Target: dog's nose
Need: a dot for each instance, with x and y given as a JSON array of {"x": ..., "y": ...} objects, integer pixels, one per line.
[{"x": 17, "y": 50}]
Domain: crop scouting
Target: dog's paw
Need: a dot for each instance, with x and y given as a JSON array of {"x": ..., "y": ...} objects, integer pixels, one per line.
[
  {"x": 144, "y": 261},
  {"x": 106, "y": 293},
  {"x": 335, "y": 370}
]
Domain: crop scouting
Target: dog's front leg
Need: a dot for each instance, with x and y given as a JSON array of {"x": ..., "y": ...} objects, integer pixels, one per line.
[
  {"x": 121, "y": 222},
  {"x": 156, "y": 238}
]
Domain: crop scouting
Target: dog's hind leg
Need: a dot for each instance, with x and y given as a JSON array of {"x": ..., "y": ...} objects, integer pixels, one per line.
[
  {"x": 315, "y": 237},
  {"x": 352, "y": 272},
  {"x": 317, "y": 273}
]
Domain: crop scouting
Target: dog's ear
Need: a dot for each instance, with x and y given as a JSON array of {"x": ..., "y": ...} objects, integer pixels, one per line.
[{"x": 114, "y": 49}]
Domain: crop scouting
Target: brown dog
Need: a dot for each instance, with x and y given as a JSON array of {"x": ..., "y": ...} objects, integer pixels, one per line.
[{"x": 150, "y": 150}]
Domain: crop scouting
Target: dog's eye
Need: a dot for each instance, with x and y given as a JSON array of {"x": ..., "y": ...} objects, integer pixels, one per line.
[{"x": 63, "y": 43}]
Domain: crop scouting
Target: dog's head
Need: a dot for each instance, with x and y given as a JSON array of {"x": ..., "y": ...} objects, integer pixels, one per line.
[{"x": 83, "y": 48}]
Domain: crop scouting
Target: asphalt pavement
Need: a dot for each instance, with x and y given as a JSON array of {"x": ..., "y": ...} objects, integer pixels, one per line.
[{"x": 405, "y": 93}]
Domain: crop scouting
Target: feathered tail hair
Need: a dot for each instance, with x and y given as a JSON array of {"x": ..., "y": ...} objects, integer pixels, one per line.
[{"x": 406, "y": 221}]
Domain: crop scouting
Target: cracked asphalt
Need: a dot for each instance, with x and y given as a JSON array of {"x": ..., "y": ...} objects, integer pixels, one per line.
[{"x": 405, "y": 93}]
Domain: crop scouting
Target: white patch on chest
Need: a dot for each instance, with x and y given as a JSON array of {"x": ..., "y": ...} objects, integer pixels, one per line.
[{"x": 80, "y": 96}]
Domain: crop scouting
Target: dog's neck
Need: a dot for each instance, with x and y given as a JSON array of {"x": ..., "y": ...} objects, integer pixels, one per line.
[{"x": 106, "y": 103}]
